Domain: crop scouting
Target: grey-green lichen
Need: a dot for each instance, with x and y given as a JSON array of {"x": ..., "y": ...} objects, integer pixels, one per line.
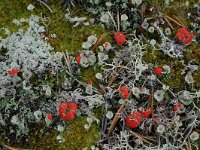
[{"x": 76, "y": 137}]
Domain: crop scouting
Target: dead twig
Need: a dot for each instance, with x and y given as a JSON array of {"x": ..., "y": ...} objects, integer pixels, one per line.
[
  {"x": 148, "y": 138},
  {"x": 13, "y": 148},
  {"x": 178, "y": 20},
  {"x": 99, "y": 41},
  {"x": 169, "y": 23},
  {"x": 113, "y": 20},
  {"x": 114, "y": 76},
  {"x": 139, "y": 137},
  {"x": 143, "y": 9},
  {"x": 164, "y": 15},
  {"x": 68, "y": 65},
  {"x": 118, "y": 21},
  {"x": 189, "y": 144},
  {"x": 41, "y": 2},
  {"x": 115, "y": 119}
]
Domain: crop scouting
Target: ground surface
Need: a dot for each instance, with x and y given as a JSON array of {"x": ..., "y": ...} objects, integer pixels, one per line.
[{"x": 76, "y": 136}]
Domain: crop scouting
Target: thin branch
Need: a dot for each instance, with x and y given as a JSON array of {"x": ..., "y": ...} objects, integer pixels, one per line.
[
  {"x": 118, "y": 21},
  {"x": 112, "y": 19},
  {"x": 99, "y": 41},
  {"x": 189, "y": 144},
  {"x": 72, "y": 76},
  {"x": 13, "y": 148},
  {"x": 45, "y": 5},
  {"x": 164, "y": 15},
  {"x": 169, "y": 23},
  {"x": 116, "y": 118},
  {"x": 67, "y": 62},
  {"x": 139, "y": 137},
  {"x": 178, "y": 20}
]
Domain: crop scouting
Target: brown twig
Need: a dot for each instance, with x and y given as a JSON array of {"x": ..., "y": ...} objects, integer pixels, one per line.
[
  {"x": 78, "y": 10},
  {"x": 179, "y": 20},
  {"x": 140, "y": 137},
  {"x": 13, "y": 148},
  {"x": 189, "y": 144},
  {"x": 99, "y": 41},
  {"x": 169, "y": 23},
  {"x": 164, "y": 15},
  {"x": 148, "y": 138},
  {"x": 115, "y": 119},
  {"x": 114, "y": 76},
  {"x": 143, "y": 9},
  {"x": 150, "y": 104}
]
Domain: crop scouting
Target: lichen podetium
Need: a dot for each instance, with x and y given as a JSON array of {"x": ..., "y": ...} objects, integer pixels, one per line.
[{"x": 76, "y": 137}]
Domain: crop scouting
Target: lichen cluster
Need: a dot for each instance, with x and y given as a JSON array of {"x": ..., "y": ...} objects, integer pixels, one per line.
[{"x": 95, "y": 74}]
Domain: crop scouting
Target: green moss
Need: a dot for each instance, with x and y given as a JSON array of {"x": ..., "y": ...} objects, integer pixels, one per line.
[
  {"x": 75, "y": 135},
  {"x": 12, "y": 10},
  {"x": 196, "y": 76},
  {"x": 67, "y": 37},
  {"x": 192, "y": 53},
  {"x": 158, "y": 58},
  {"x": 88, "y": 74},
  {"x": 72, "y": 39}
]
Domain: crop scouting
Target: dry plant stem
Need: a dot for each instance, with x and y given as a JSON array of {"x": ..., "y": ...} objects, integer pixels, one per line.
[
  {"x": 112, "y": 20},
  {"x": 115, "y": 119},
  {"x": 151, "y": 102},
  {"x": 71, "y": 75},
  {"x": 45, "y": 5},
  {"x": 67, "y": 62},
  {"x": 148, "y": 138},
  {"x": 187, "y": 147},
  {"x": 172, "y": 20},
  {"x": 13, "y": 148},
  {"x": 189, "y": 144},
  {"x": 143, "y": 11},
  {"x": 114, "y": 77},
  {"x": 118, "y": 21},
  {"x": 140, "y": 137},
  {"x": 169, "y": 23},
  {"x": 179, "y": 20},
  {"x": 78, "y": 10},
  {"x": 99, "y": 41}
]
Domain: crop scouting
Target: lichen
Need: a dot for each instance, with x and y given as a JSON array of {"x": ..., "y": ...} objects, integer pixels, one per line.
[{"x": 67, "y": 39}]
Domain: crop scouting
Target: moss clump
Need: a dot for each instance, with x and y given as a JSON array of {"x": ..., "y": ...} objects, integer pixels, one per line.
[
  {"x": 192, "y": 53},
  {"x": 158, "y": 58},
  {"x": 196, "y": 76},
  {"x": 75, "y": 135},
  {"x": 67, "y": 37}
]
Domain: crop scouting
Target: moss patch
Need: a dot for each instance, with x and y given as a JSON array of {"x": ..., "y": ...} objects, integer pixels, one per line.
[{"x": 76, "y": 137}]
